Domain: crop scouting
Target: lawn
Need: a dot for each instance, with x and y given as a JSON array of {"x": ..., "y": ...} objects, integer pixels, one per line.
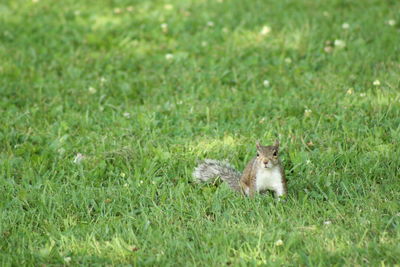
[{"x": 106, "y": 106}]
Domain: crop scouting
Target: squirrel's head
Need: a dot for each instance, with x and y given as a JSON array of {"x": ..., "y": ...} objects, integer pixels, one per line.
[{"x": 268, "y": 156}]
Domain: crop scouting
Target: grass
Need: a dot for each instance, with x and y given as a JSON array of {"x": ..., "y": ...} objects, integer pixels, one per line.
[{"x": 95, "y": 78}]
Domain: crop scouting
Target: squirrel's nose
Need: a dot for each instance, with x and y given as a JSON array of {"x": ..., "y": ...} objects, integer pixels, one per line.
[{"x": 265, "y": 161}]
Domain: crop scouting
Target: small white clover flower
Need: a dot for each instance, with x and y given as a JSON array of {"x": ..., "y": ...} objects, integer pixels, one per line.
[
  {"x": 350, "y": 91},
  {"x": 210, "y": 24},
  {"x": 169, "y": 56},
  {"x": 327, "y": 222},
  {"x": 328, "y": 49},
  {"x": 126, "y": 185},
  {"x": 164, "y": 27},
  {"x": 168, "y": 7},
  {"x": 266, "y": 83},
  {"x": 265, "y": 30},
  {"x": 127, "y": 115},
  {"x": 307, "y": 112},
  {"x": 92, "y": 90},
  {"x": 78, "y": 158},
  {"x": 141, "y": 181},
  {"x": 345, "y": 26},
  {"x": 122, "y": 174},
  {"x": 67, "y": 259},
  {"x": 279, "y": 243},
  {"x": 391, "y": 22},
  {"x": 376, "y": 83},
  {"x": 363, "y": 94},
  {"x": 339, "y": 43}
]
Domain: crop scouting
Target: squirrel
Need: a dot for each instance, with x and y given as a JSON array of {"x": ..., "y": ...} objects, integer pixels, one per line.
[{"x": 264, "y": 172}]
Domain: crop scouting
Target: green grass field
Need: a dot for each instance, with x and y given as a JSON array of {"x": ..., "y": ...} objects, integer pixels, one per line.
[{"x": 107, "y": 105}]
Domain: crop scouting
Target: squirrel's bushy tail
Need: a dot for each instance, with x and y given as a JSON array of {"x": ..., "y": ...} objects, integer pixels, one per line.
[{"x": 210, "y": 169}]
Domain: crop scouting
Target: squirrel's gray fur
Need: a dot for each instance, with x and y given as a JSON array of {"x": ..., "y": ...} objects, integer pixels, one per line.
[
  {"x": 210, "y": 169},
  {"x": 264, "y": 172}
]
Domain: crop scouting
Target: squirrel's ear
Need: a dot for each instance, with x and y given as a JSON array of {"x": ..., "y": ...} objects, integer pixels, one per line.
[
  {"x": 258, "y": 145},
  {"x": 276, "y": 143}
]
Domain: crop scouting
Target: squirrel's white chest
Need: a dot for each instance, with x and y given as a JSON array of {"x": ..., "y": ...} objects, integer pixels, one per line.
[{"x": 269, "y": 178}]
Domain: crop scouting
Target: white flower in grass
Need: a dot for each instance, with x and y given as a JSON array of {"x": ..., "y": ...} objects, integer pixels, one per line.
[
  {"x": 339, "y": 43},
  {"x": 102, "y": 80},
  {"x": 391, "y": 22},
  {"x": 123, "y": 174},
  {"x": 327, "y": 222},
  {"x": 127, "y": 115},
  {"x": 328, "y": 49},
  {"x": 350, "y": 91},
  {"x": 308, "y": 162},
  {"x": 169, "y": 56},
  {"x": 363, "y": 94},
  {"x": 376, "y": 83},
  {"x": 126, "y": 184},
  {"x": 307, "y": 112},
  {"x": 279, "y": 243},
  {"x": 67, "y": 259},
  {"x": 164, "y": 27},
  {"x": 266, "y": 83},
  {"x": 78, "y": 158},
  {"x": 345, "y": 26},
  {"x": 210, "y": 24},
  {"x": 92, "y": 90},
  {"x": 168, "y": 7},
  {"x": 265, "y": 30}
]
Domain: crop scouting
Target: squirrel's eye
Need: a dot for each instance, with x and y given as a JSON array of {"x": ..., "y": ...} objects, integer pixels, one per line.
[
  {"x": 275, "y": 154},
  {"x": 258, "y": 154}
]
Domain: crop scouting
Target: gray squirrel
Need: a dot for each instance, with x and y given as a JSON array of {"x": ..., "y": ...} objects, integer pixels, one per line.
[{"x": 264, "y": 172}]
